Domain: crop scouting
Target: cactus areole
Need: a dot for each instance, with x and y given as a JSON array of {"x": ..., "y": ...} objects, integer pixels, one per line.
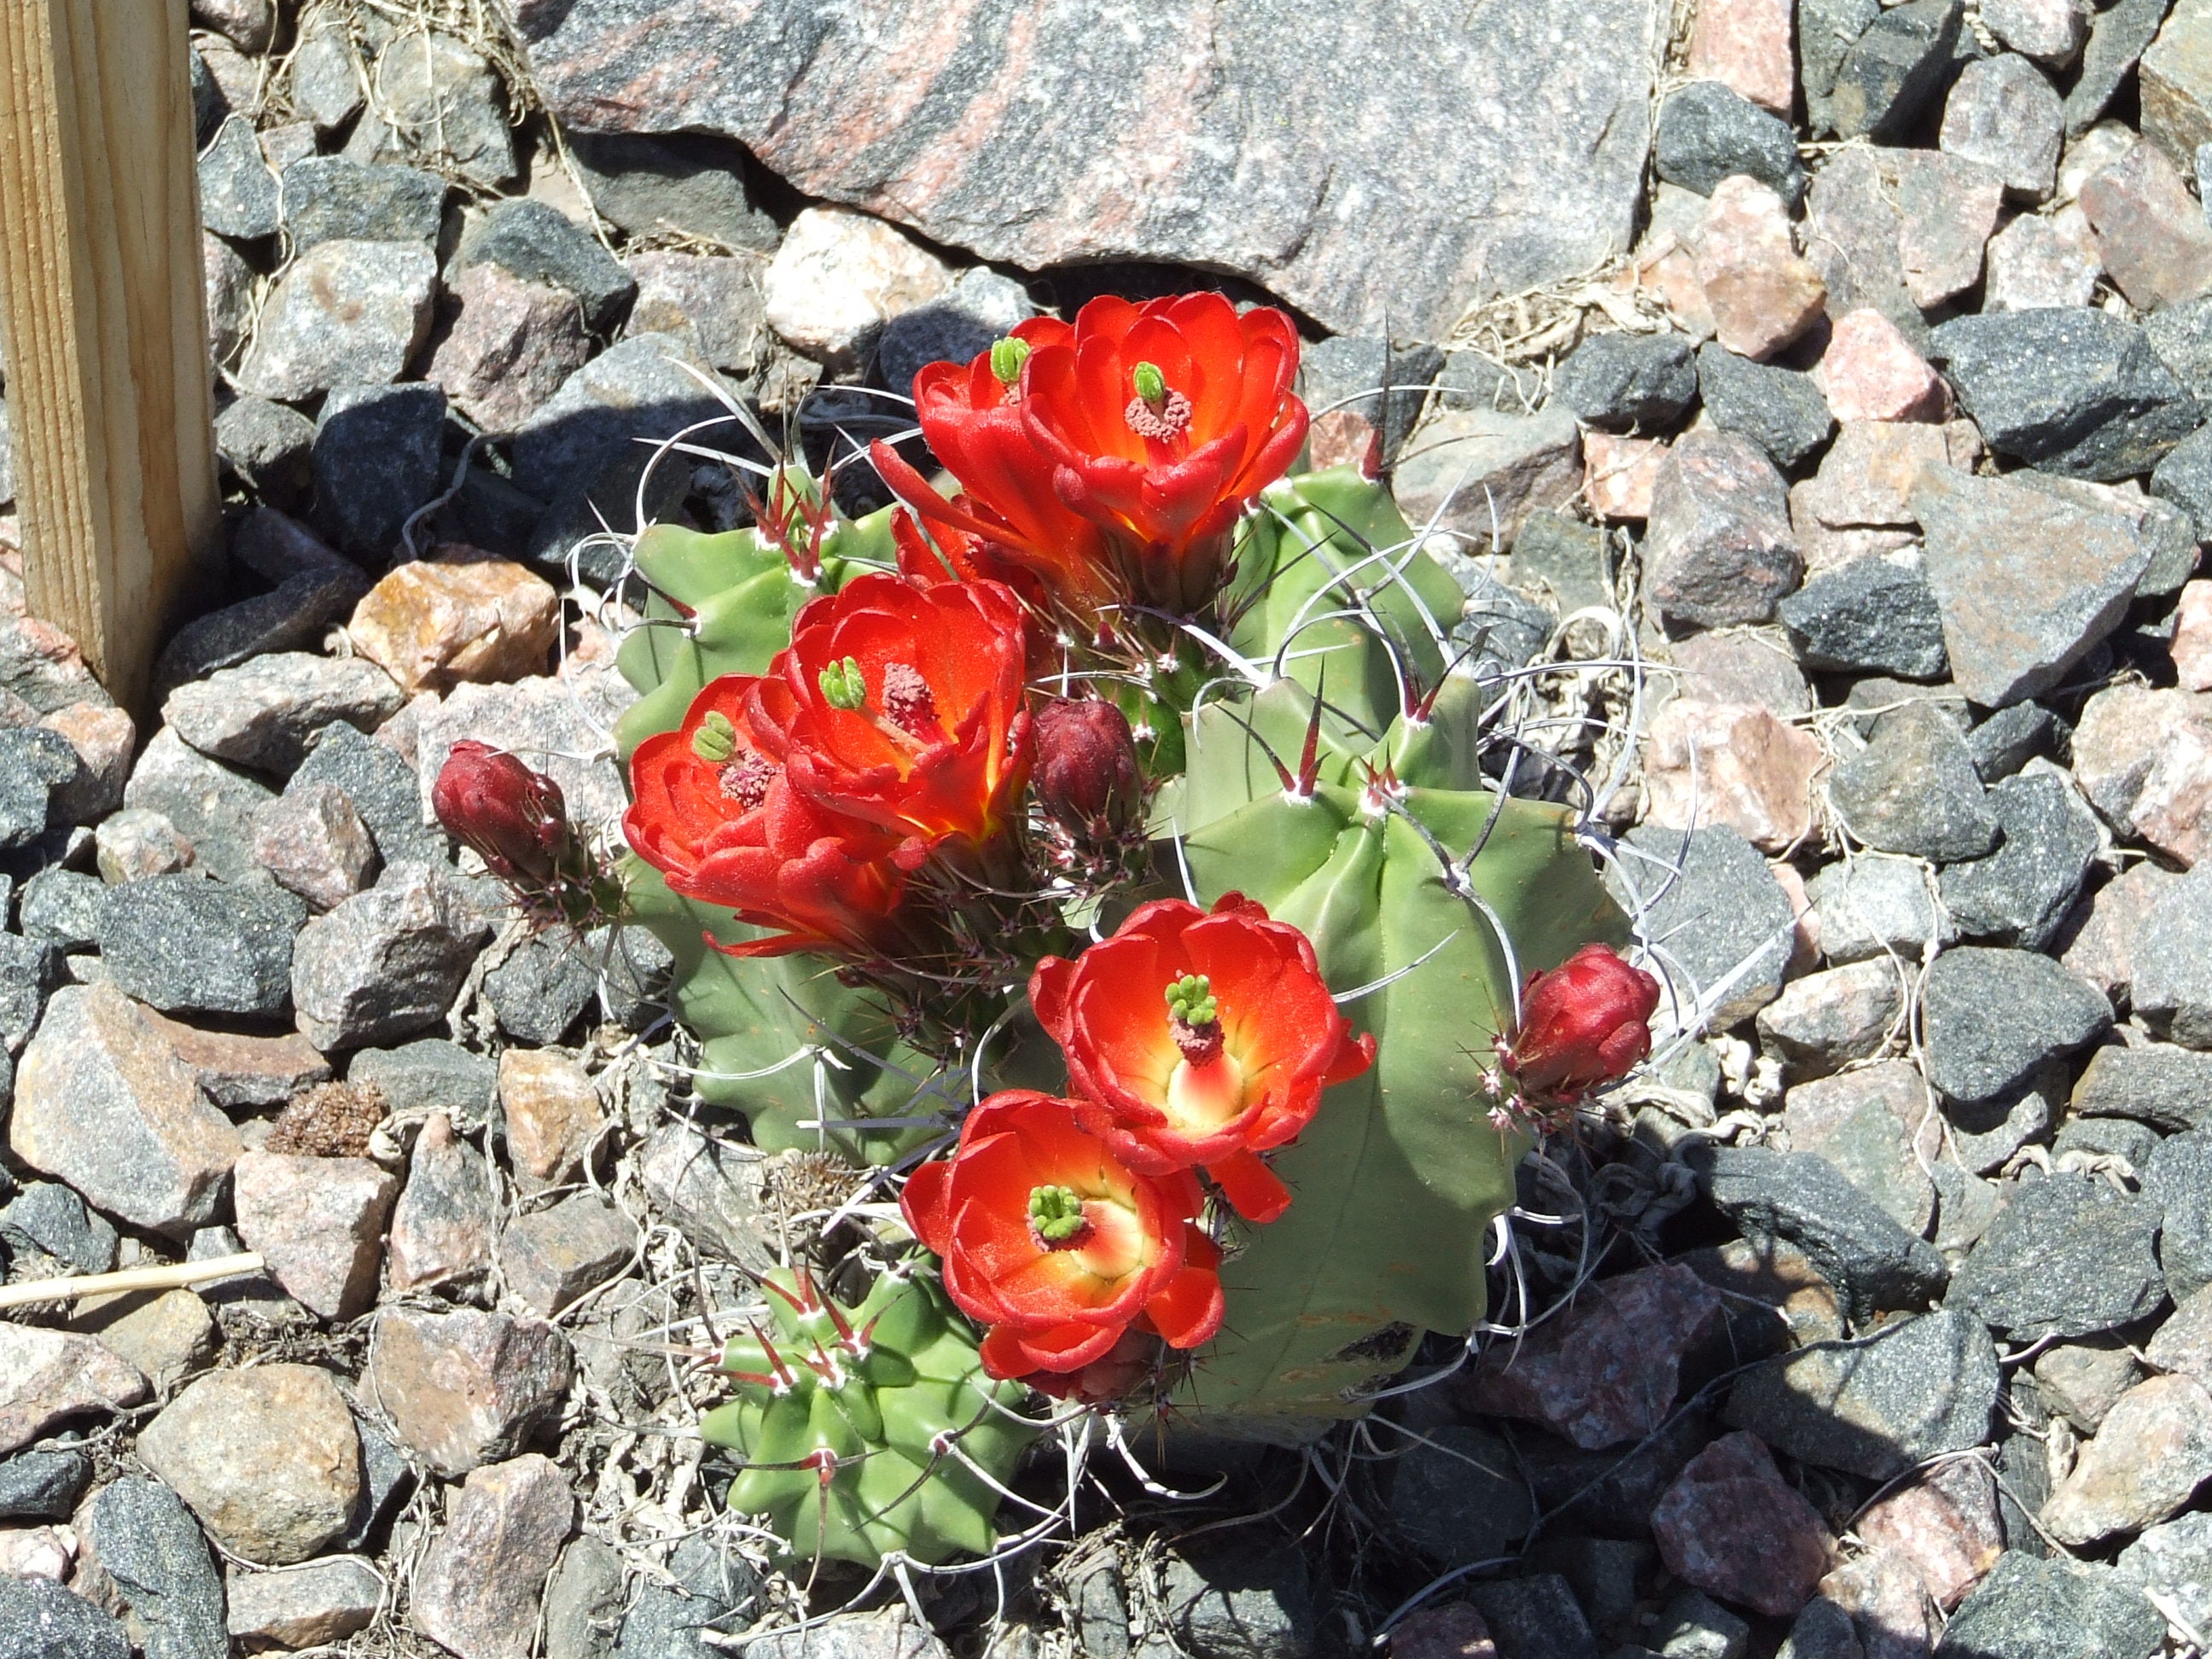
[{"x": 1107, "y": 848}]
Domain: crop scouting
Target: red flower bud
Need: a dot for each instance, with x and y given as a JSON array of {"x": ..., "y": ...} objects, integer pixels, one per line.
[
  {"x": 1583, "y": 1025},
  {"x": 1086, "y": 774},
  {"x": 513, "y": 816}
]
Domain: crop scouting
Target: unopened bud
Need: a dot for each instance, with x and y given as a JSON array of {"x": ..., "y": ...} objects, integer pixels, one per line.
[
  {"x": 514, "y": 817},
  {"x": 1086, "y": 776}
]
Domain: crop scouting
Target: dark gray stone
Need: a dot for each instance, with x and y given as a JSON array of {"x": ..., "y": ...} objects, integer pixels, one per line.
[
  {"x": 2171, "y": 951},
  {"x": 1822, "y": 1631},
  {"x": 1894, "y": 70},
  {"x": 431, "y": 1074},
  {"x": 1876, "y": 1406},
  {"x": 2021, "y": 894},
  {"x": 983, "y": 306},
  {"x": 715, "y": 1591},
  {"x": 185, "y": 944},
  {"x": 2184, "y": 478},
  {"x": 328, "y": 198},
  {"x": 1085, "y": 166},
  {"x": 1384, "y": 385},
  {"x": 1693, "y": 1625},
  {"x": 292, "y": 616},
  {"x": 376, "y": 461},
  {"x": 2009, "y": 738},
  {"x": 208, "y": 101},
  {"x": 2066, "y": 1256},
  {"x": 2161, "y": 1084},
  {"x": 445, "y": 106},
  {"x": 37, "y": 768},
  {"x": 584, "y": 1602},
  {"x": 238, "y": 193},
  {"x": 632, "y": 966},
  {"x": 1618, "y": 381},
  {"x": 1826, "y": 29},
  {"x": 1871, "y": 614},
  {"x": 1535, "y": 1618},
  {"x": 1245, "y": 1601},
  {"x": 1461, "y": 1499},
  {"x": 542, "y": 988},
  {"x": 1604, "y": 1573},
  {"x": 210, "y": 803},
  {"x": 2177, "y": 1178},
  {"x": 1563, "y": 563},
  {"x": 1727, "y": 924},
  {"x": 677, "y": 181},
  {"x": 1913, "y": 790},
  {"x": 1780, "y": 410},
  {"x": 540, "y": 243},
  {"x": 150, "y": 1546},
  {"x": 2174, "y": 1560},
  {"x": 1498, "y": 630},
  {"x": 326, "y": 74},
  {"x": 2118, "y": 36},
  {"x": 2102, "y": 1137},
  {"x": 2074, "y": 390},
  {"x": 2182, "y": 336},
  {"x": 1990, "y": 1017},
  {"x": 40, "y": 1619},
  {"x": 50, "y": 1219},
  {"x": 1801, "y": 1198},
  {"x": 28, "y": 970},
  {"x": 2032, "y": 1609},
  {"x": 381, "y": 787},
  {"x": 1707, "y": 131},
  {"x": 45, "y": 1482},
  {"x": 271, "y": 446},
  {"x": 386, "y": 1477},
  {"x": 1609, "y": 1493}
]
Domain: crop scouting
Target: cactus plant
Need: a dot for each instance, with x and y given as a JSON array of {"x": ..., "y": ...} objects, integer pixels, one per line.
[{"x": 847, "y": 1419}]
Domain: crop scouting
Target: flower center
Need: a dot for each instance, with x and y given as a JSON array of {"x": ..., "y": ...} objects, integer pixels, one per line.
[
  {"x": 1056, "y": 1218},
  {"x": 1156, "y": 412},
  {"x": 907, "y": 702},
  {"x": 843, "y": 685},
  {"x": 716, "y": 739},
  {"x": 1007, "y": 356},
  {"x": 1194, "y": 1017},
  {"x": 745, "y": 782}
]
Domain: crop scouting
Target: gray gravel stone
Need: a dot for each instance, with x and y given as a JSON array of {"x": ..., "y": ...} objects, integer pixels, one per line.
[
  {"x": 346, "y": 313},
  {"x": 716, "y": 306},
  {"x": 296, "y": 613},
  {"x": 265, "y": 712},
  {"x": 711, "y": 1190},
  {"x": 1990, "y": 1017},
  {"x": 36, "y": 766},
  {"x": 46, "y": 1218},
  {"x": 2118, "y": 36},
  {"x": 1728, "y": 926},
  {"x": 2004, "y": 114},
  {"x": 1822, "y": 1631},
  {"x": 326, "y": 77},
  {"x": 1457, "y": 1501},
  {"x": 2078, "y": 392},
  {"x": 2173, "y": 1560},
  {"x": 2009, "y": 738},
  {"x": 653, "y": 183},
  {"x": 2178, "y": 1178},
  {"x": 540, "y": 243},
  {"x": 1707, "y": 131},
  {"x": 1871, "y": 615},
  {"x": 28, "y": 970},
  {"x": 1874, "y": 904},
  {"x": 2028, "y": 583},
  {"x": 2181, "y": 335},
  {"x": 2027, "y": 1608},
  {"x": 187, "y": 944},
  {"x": 44, "y": 1483},
  {"x": 387, "y": 963},
  {"x": 2184, "y": 478},
  {"x": 328, "y": 198},
  {"x": 2172, "y": 991},
  {"x": 713, "y": 1590},
  {"x": 1372, "y": 380},
  {"x": 430, "y": 1074},
  {"x": 209, "y": 804},
  {"x": 1536, "y": 1615},
  {"x": 1564, "y": 563},
  {"x": 551, "y": 1257},
  {"x": 268, "y": 445},
  {"x": 40, "y": 1619},
  {"x": 1892, "y": 71},
  {"x": 981, "y": 306},
  {"x": 543, "y": 988},
  {"x": 382, "y": 789},
  {"x": 2023, "y": 893},
  {"x": 238, "y": 193},
  {"x": 437, "y": 98},
  {"x": 1780, "y": 410},
  {"x": 584, "y": 1602},
  {"x": 148, "y": 1542},
  {"x": 1719, "y": 548},
  {"x": 2066, "y": 1256},
  {"x": 2113, "y": 1137},
  {"x": 376, "y": 461},
  {"x": 2167, "y": 1087},
  {"x": 1875, "y": 1406},
  {"x": 1803, "y": 1198},
  {"x": 1913, "y": 790},
  {"x": 1617, "y": 382}
]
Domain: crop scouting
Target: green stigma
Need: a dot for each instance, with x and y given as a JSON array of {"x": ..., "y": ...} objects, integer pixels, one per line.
[
  {"x": 1191, "y": 1000},
  {"x": 1007, "y": 356},
  {"x": 1151, "y": 385},
  {"x": 842, "y": 687},
  {"x": 716, "y": 739},
  {"x": 1056, "y": 1213}
]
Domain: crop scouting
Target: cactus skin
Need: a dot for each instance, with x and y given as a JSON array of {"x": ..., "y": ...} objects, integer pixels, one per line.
[
  {"x": 1401, "y": 1172},
  {"x": 917, "y": 1377}
]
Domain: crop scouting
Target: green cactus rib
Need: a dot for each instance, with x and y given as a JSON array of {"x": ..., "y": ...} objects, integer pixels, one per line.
[
  {"x": 846, "y": 1445},
  {"x": 1397, "y": 1180}
]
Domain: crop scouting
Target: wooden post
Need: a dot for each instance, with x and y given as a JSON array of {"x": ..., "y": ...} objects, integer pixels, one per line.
[{"x": 103, "y": 322}]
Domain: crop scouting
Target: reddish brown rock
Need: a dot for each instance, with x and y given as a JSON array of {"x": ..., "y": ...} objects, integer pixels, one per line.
[
  {"x": 1605, "y": 1370},
  {"x": 463, "y": 617},
  {"x": 507, "y": 345},
  {"x": 2153, "y": 1450},
  {"x": 1733, "y": 1527},
  {"x": 1871, "y": 372},
  {"x": 478, "y": 1592},
  {"x": 49, "y": 1377},
  {"x": 1761, "y": 295},
  {"x": 235, "y": 1070},
  {"x": 553, "y": 1114},
  {"x": 2099, "y": 943},
  {"x": 1745, "y": 44},
  {"x": 1945, "y": 1523},
  {"x": 314, "y": 843},
  {"x": 2144, "y": 759},
  {"x": 318, "y": 1223},
  {"x": 1731, "y": 763},
  {"x": 2035, "y": 263},
  {"x": 442, "y": 1228},
  {"x": 1618, "y": 474},
  {"x": 1883, "y": 1592},
  {"x": 104, "y": 737},
  {"x": 2151, "y": 234},
  {"x": 1454, "y": 1631},
  {"x": 464, "y": 1388},
  {"x": 1719, "y": 549},
  {"x": 1866, "y": 478},
  {"x": 2192, "y": 637}
]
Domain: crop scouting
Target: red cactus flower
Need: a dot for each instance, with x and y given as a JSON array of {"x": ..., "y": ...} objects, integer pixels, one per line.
[
  {"x": 1583, "y": 1025},
  {"x": 1087, "y": 779},
  {"x": 901, "y": 705},
  {"x": 1161, "y": 422},
  {"x": 1059, "y": 1247},
  {"x": 515, "y": 817},
  {"x": 1114, "y": 1375},
  {"x": 717, "y": 816},
  {"x": 1198, "y": 1039}
]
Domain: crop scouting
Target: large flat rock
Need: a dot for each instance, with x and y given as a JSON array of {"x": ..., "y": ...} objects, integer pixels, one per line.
[{"x": 1373, "y": 162}]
